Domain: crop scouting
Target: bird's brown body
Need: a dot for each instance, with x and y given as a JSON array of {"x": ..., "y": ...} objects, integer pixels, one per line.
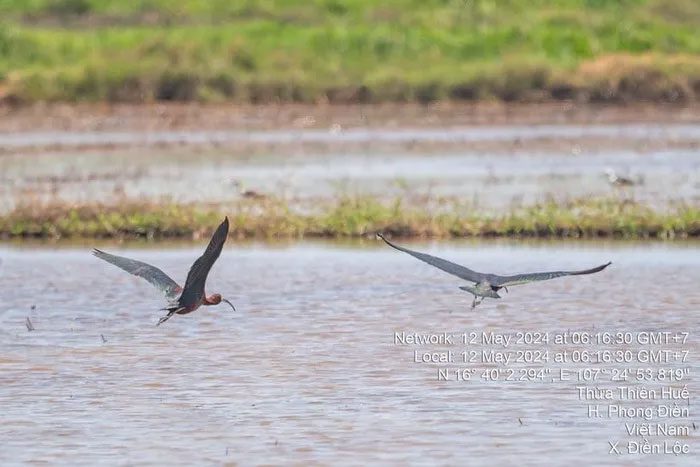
[
  {"x": 214, "y": 299},
  {"x": 182, "y": 300}
]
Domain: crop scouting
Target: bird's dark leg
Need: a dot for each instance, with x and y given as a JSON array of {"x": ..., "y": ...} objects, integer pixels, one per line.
[
  {"x": 166, "y": 317},
  {"x": 474, "y": 302}
]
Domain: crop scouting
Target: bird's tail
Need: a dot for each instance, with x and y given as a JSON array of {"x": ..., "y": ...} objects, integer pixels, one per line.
[
  {"x": 173, "y": 306},
  {"x": 171, "y": 311}
]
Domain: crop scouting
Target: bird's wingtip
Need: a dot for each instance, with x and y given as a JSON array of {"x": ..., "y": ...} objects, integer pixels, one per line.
[
  {"x": 97, "y": 252},
  {"x": 381, "y": 235},
  {"x": 224, "y": 225}
]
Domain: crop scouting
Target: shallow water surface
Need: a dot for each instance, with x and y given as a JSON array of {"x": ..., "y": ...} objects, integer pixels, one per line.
[
  {"x": 490, "y": 181},
  {"x": 450, "y": 134},
  {"x": 525, "y": 173},
  {"x": 308, "y": 369}
]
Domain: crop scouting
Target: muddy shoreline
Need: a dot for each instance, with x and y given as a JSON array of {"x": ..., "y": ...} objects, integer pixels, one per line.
[
  {"x": 188, "y": 116},
  {"x": 244, "y": 130}
]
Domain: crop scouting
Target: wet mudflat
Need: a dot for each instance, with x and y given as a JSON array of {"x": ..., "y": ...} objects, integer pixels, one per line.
[
  {"x": 514, "y": 165},
  {"x": 308, "y": 369},
  {"x": 646, "y": 131}
]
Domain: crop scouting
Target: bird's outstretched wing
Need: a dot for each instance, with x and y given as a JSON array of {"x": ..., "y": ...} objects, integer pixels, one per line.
[
  {"x": 493, "y": 279},
  {"x": 447, "y": 266},
  {"x": 516, "y": 279},
  {"x": 152, "y": 274},
  {"x": 197, "y": 277}
]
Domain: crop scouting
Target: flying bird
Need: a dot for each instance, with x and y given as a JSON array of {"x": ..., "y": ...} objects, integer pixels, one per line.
[
  {"x": 488, "y": 285},
  {"x": 180, "y": 300}
]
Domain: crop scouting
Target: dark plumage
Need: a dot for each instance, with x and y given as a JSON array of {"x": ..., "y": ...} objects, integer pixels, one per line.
[{"x": 181, "y": 300}]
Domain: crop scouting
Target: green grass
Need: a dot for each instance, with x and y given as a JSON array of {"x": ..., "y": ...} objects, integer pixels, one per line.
[
  {"x": 352, "y": 217},
  {"x": 349, "y": 50}
]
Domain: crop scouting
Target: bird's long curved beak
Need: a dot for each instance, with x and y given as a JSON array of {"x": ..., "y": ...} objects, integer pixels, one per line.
[{"x": 233, "y": 307}]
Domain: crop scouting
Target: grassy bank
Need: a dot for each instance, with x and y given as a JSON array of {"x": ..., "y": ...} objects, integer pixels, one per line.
[
  {"x": 352, "y": 217},
  {"x": 349, "y": 50}
]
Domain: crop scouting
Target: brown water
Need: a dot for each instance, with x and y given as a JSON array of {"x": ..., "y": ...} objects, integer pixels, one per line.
[{"x": 307, "y": 369}]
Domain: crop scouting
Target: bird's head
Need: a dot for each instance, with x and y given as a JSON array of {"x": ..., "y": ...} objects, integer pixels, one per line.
[{"x": 216, "y": 298}]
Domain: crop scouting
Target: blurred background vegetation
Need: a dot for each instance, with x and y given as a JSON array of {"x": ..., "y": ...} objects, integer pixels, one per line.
[{"x": 260, "y": 51}]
